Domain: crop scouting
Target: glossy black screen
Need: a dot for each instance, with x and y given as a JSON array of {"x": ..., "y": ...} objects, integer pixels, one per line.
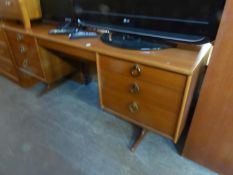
[{"x": 192, "y": 17}]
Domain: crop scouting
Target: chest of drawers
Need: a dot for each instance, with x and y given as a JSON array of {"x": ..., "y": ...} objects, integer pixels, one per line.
[
  {"x": 25, "y": 53},
  {"x": 36, "y": 61},
  {"x": 147, "y": 96},
  {"x": 7, "y": 66}
]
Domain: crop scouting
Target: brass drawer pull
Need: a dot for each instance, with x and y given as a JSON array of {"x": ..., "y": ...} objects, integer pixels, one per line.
[
  {"x": 22, "y": 49},
  {"x": 8, "y": 3},
  {"x": 19, "y": 37},
  {"x": 25, "y": 63},
  {"x": 136, "y": 71},
  {"x": 133, "y": 107},
  {"x": 134, "y": 88}
]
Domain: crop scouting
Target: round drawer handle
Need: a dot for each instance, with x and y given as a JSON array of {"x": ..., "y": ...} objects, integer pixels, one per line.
[
  {"x": 19, "y": 37},
  {"x": 133, "y": 107},
  {"x": 8, "y": 3},
  {"x": 134, "y": 88},
  {"x": 22, "y": 49},
  {"x": 136, "y": 71},
  {"x": 25, "y": 63}
]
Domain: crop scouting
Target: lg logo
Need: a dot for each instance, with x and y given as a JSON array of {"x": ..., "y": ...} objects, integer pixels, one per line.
[{"x": 126, "y": 20}]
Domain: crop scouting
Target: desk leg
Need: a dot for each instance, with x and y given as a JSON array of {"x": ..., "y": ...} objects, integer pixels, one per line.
[{"x": 142, "y": 133}]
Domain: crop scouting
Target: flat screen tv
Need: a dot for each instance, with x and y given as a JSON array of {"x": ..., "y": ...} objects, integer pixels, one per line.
[
  {"x": 192, "y": 21},
  {"x": 57, "y": 11}
]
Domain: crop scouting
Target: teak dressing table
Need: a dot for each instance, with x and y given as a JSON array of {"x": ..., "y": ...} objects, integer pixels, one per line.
[{"x": 152, "y": 89}]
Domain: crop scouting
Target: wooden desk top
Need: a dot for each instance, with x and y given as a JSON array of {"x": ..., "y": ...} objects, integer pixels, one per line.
[{"x": 184, "y": 59}]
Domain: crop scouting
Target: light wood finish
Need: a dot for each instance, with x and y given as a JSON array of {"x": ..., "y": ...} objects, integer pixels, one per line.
[
  {"x": 167, "y": 77},
  {"x": 12, "y": 8},
  {"x": 4, "y": 51},
  {"x": 54, "y": 66},
  {"x": 2, "y": 38},
  {"x": 7, "y": 69},
  {"x": 73, "y": 51},
  {"x": 183, "y": 59},
  {"x": 210, "y": 140},
  {"x": 26, "y": 81},
  {"x": 7, "y": 66},
  {"x": 150, "y": 75},
  {"x": 25, "y": 53},
  {"x": 23, "y": 10},
  {"x": 160, "y": 100},
  {"x": 150, "y": 93},
  {"x": 37, "y": 61},
  {"x": 188, "y": 95}
]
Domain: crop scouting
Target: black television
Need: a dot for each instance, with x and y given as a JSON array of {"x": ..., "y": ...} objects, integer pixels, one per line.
[
  {"x": 57, "y": 11},
  {"x": 191, "y": 21}
]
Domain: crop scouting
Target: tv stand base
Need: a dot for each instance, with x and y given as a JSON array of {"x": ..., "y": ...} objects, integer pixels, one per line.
[{"x": 134, "y": 42}]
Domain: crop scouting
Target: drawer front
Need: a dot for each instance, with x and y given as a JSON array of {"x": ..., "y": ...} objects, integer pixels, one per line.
[
  {"x": 144, "y": 73},
  {"x": 25, "y": 52},
  {"x": 17, "y": 37},
  {"x": 148, "y": 96},
  {"x": 4, "y": 52},
  {"x": 136, "y": 110},
  {"x": 8, "y": 67},
  {"x": 2, "y": 38},
  {"x": 10, "y": 9},
  {"x": 29, "y": 60},
  {"x": 160, "y": 96}
]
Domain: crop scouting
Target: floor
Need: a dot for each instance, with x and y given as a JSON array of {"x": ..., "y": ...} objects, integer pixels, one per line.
[{"x": 66, "y": 133}]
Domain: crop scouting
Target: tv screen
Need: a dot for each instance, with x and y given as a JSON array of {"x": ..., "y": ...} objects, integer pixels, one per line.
[
  {"x": 180, "y": 20},
  {"x": 57, "y": 10}
]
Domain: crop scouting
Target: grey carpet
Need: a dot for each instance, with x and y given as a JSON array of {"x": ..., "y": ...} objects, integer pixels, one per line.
[{"x": 66, "y": 133}]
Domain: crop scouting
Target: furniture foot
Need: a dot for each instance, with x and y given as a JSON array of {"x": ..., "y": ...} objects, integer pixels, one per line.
[{"x": 140, "y": 135}]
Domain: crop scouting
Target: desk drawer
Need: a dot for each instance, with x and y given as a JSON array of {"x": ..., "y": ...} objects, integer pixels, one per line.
[
  {"x": 150, "y": 97},
  {"x": 17, "y": 37},
  {"x": 29, "y": 61},
  {"x": 4, "y": 52},
  {"x": 25, "y": 52},
  {"x": 150, "y": 94},
  {"x": 148, "y": 74},
  {"x": 2, "y": 38},
  {"x": 8, "y": 67},
  {"x": 138, "y": 111}
]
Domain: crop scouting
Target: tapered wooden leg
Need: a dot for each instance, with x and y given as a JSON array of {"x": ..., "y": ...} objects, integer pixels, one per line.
[{"x": 138, "y": 140}]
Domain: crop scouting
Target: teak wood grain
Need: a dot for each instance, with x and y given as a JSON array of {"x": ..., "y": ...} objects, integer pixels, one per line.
[
  {"x": 160, "y": 96},
  {"x": 149, "y": 74},
  {"x": 151, "y": 116},
  {"x": 42, "y": 64},
  {"x": 166, "y": 81},
  {"x": 29, "y": 60},
  {"x": 54, "y": 67},
  {"x": 182, "y": 59},
  {"x": 210, "y": 140},
  {"x": 23, "y": 10},
  {"x": 4, "y": 52},
  {"x": 7, "y": 66},
  {"x": 162, "y": 101}
]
